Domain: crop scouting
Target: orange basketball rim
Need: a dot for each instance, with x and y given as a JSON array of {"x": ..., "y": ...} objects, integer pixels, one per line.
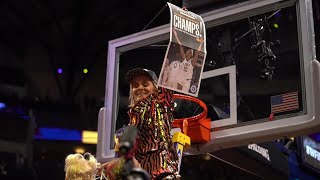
[{"x": 197, "y": 127}]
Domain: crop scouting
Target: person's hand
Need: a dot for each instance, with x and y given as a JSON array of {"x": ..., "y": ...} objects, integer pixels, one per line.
[
  {"x": 200, "y": 40},
  {"x": 174, "y": 32},
  {"x": 107, "y": 169},
  {"x": 113, "y": 167},
  {"x": 136, "y": 164}
]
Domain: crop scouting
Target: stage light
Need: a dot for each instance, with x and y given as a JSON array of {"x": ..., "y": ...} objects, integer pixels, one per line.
[
  {"x": 59, "y": 70},
  {"x": 47, "y": 133},
  {"x": 206, "y": 157},
  {"x": 79, "y": 150},
  {"x": 85, "y": 71},
  {"x": 2, "y": 105},
  {"x": 89, "y": 137}
]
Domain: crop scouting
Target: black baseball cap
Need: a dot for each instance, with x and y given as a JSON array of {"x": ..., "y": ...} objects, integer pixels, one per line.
[{"x": 140, "y": 71}]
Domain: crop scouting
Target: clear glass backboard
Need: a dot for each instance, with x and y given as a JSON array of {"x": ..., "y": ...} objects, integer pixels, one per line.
[{"x": 260, "y": 81}]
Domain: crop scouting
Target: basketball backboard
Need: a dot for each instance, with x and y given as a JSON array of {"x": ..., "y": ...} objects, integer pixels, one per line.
[{"x": 258, "y": 52}]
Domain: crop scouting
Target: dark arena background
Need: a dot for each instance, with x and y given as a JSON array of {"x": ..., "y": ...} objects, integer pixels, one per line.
[{"x": 53, "y": 61}]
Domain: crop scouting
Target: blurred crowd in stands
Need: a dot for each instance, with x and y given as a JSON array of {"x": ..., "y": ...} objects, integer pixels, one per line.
[
  {"x": 15, "y": 166},
  {"x": 45, "y": 164}
]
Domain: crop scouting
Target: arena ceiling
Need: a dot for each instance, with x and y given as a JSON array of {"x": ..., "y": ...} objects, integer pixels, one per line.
[{"x": 38, "y": 37}]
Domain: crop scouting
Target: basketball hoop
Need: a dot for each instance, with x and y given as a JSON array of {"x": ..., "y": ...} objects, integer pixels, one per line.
[
  {"x": 197, "y": 127},
  {"x": 193, "y": 99}
]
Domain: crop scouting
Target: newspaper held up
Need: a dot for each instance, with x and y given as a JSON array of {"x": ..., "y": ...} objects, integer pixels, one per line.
[{"x": 185, "y": 56}]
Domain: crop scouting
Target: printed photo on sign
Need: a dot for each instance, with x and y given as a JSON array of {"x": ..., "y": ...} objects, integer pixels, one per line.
[{"x": 181, "y": 69}]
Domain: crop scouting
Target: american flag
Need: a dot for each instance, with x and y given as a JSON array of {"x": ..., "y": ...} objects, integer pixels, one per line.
[{"x": 284, "y": 102}]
